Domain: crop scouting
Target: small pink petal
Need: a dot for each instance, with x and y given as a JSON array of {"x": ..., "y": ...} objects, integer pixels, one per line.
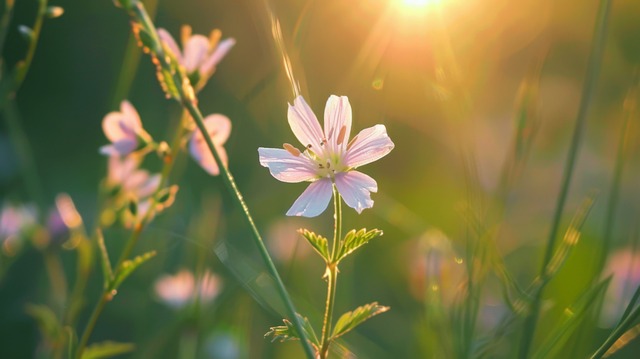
[
  {"x": 112, "y": 126},
  {"x": 304, "y": 125},
  {"x": 369, "y": 145},
  {"x": 131, "y": 116},
  {"x": 218, "y": 54},
  {"x": 149, "y": 186},
  {"x": 314, "y": 200},
  {"x": 355, "y": 188},
  {"x": 168, "y": 40},
  {"x": 195, "y": 52},
  {"x": 337, "y": 114},
  {"x": 286, "y": 167},
  {"x": 219, "y": 128}
]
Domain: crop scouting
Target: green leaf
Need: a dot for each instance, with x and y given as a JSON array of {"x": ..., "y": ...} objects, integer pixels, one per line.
[
  {"x": 288, "y": 332},
  {"x": 107, "y": 349},
  {"x": 107, "y": 272},
  {"x": 129, "y": 266},
  {"x": 47, "y": 321},
  {"x": 350, "y": 320},
  {"x": 319, "y": 243},
  {"x": 354, "y": 240}
]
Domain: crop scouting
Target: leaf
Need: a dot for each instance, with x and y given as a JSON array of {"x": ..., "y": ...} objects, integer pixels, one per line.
[
  {"x": 319, "y": 243},
  {"x": 129, "y": 266},
  {"x": 354, "y": 240},
  {"x": 288, "y": 331},
  {"x": 47, "y": 321},
  {"x": 350, "y": 320},
  {"x": 107, "y": 272},
  {"x": 107, "y": 349}
]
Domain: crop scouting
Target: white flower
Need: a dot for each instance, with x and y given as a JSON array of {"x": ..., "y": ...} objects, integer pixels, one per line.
[
  {"x": 328, "y": 158},
  {"x": 218, "y": 128},
  {"x": 200, "y": 54},
  {"x": 124, "y": 130}
]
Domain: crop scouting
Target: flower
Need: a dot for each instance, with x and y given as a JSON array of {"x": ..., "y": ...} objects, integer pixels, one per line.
[
  {"x": 182, "y": 288},
  {"x": 218, "y": 128},
  {"x": 329, "y": 158},
  {"x": 623, "y": 266},
  {"x": 123, "y": 173},
  {"x": 124, "y": 130},
  {"x": 200, "y": 54}
]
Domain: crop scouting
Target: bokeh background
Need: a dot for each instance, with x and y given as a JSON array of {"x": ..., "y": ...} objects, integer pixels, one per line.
[{"x": 444, "y": 79}]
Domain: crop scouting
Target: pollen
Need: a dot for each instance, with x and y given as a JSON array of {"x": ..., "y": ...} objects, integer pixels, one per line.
[
  {"x": 343, "y": 132},
  {"x": 292, "y": 150}
]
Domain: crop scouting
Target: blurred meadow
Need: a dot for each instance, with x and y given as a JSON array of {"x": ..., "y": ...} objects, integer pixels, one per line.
[{"x": 481, "y": 99}]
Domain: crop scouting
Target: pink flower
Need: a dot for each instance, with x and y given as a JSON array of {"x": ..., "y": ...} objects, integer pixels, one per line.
[
  {"x": 182, "y": 288},
  {"x": 623, "y": 266},
  {"x": 200, "y": 54},
  {"x": 328, "y": 158},
  {"x": 132, "y": 182},
  {"x": 124, "y": 130},
  {"x": 218, "y": 128}
]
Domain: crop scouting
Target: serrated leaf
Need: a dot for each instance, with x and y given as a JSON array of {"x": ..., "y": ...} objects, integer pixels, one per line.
[
  {"x": 47, "y": 320},
  {"x": 107, "y": 272},
  {"x": 129, "y": 266},
  {"x": 318, "y": 242},
  {"x": 107, "y": 349},
  {"x": 350, "y": 320},
  {"x": 288, "y": 331},
  {"x": 354, "y": 240}
]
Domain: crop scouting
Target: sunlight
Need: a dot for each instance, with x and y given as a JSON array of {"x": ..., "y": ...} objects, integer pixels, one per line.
[{"x": 419, "y": 3}]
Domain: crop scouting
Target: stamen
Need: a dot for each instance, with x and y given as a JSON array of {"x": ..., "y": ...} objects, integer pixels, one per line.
[
  {"x": 320, "y": 165},
  {"x": 185, "y": 34},
  {"x": 214, "y": 38},
  {"x": 343, "y": 132},
  {"x": 292, "y": 150},
  {"x": 328, "y": 164},
  {"x": 353, "y": 140}
]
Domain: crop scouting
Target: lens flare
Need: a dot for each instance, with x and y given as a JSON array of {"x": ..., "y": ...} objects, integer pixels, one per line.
[{"x": 419, "y": 3}]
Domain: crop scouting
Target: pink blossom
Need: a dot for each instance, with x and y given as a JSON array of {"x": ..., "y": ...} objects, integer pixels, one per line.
[
  {"x": 132, "y": 181},
  {"x": 328, "y": 157},
  {"x": 218, "y": 128},
  {"x": 183, "y": 288},
  {"x": 124, "y": 130}
]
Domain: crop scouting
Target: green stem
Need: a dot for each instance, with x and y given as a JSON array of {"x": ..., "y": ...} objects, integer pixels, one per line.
[
  {"x": 332, "y": 275},
  {"x": 588, "y": 90},
  {"x": 104, "y": 298},
  {"x": 4, "y": 22},
  {"x": 175, "y": 149},
  {"x": 23, "y": 66},
  {"x": 616, "y": 334}
]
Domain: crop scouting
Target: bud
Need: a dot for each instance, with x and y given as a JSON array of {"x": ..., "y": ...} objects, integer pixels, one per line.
[{"x": 54, "y": 12}]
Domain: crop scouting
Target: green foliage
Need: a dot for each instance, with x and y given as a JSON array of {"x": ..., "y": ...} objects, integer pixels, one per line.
[
  {"x": 47, "y": 320},
  {"x": 288, "y": 332},
  {"x": 107, "y": 349},
  {"x": 318, "y": 242},
  {"x": 352, "y": 319},
  {"x": 354, "y": 240},
  {"x": 129, "y": 266}
]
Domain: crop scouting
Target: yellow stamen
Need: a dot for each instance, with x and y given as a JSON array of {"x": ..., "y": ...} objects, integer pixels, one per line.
[
  {"x": 185, "y": 34},
  {"x": 343, "y": 132},
  {"x": 214, "y": 38},
  {"x": 292, "y": 150}
]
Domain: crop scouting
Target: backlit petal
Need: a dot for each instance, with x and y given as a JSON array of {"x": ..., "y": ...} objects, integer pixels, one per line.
[
  {"x": 369, "y": 145},
  {"x": 313, "y": 201},
  {"x": 304, "y": 125},
  {"x": 195, "y": 52},
  {"x": 337, "y": 115},
  {"x": 168, "y": 40},
  {"x": 286, "y": 167},
  {"x": 218, "y": 54},
  {"x": 219, "y": 128},
  {"x": 355, "y": 188}
]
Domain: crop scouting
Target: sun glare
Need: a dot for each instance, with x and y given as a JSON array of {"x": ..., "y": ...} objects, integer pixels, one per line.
[{"x": 419, "y": 3}]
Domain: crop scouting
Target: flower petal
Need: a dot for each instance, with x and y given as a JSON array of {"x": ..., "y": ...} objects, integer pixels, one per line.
[
  {"x": 356, "y": 187},
  {"x": 286, "y": 167},
  {"x": 304, "y": 124},
  {"x": 218, "y": 128},
  {"x": 168, "y": 40},
  {"x": 313, "y": 201},
  {"x": 195, "y": 52},
  {"x": 337, "y": 115},
  {"x": 369, "y": 145},
  {"x": 218, "y": 54}
]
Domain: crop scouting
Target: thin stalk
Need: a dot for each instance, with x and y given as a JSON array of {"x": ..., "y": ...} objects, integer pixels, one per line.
[
  {"x": 23, "y": 66},
  {"x": 588, "y": 90},
  {"x": 616, "y": 334},
  {"x": 332, "y": 275},
  {"x": 175, "y": 149},
  {"x": 5, "y": 20}
]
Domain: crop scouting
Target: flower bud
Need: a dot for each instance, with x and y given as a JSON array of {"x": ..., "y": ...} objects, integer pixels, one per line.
[{"x": 54, "y": 12}]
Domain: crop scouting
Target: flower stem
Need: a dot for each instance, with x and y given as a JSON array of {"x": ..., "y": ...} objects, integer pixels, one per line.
[
  {"x": 332, "y": 275},
  {"x": 588, "y": 89}
]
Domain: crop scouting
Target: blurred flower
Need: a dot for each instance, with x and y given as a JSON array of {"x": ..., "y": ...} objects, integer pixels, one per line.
[
  {"x": 124, "y": 130},
  {"x": 181, "y": 289},
  {"x": 624, "y": 267},
  {"x": 124, "y": 176},
  {"x": 156, "y": 204},
  {"x": 223, "y": 346},
  {"x": 200, "y": 54},
  {"x": 63, "y": 218},
  {"x": 285, "y": 242},
  {"x": 218, "y": 128},
  {"x": 14, "y": 220},
  {"x": 328, "y": 157}
]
